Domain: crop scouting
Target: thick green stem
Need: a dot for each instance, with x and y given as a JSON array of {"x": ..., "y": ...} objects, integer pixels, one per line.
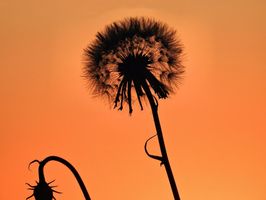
[
  {"x": 69, "y": 166},
  {"x": 161, "y": 140}
]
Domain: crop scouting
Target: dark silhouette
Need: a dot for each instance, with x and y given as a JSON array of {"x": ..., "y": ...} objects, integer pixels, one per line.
[
  {"x": 138, "y": 53},
  {"x": 43, "y": 190}
]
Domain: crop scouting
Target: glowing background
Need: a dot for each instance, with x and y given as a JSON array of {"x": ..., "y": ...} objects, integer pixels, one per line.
[{"x": 214, "y": 125}]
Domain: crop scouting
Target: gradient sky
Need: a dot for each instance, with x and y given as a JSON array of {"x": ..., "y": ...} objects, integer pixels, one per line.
[{"x": 214, "y": 126}]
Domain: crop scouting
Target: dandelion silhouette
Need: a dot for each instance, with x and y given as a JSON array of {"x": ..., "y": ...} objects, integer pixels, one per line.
[
  {"x": 43, "y": 190},
  {"x": 139, "y": 53}
]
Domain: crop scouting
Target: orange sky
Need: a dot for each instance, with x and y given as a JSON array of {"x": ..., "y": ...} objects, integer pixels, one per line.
[{"x": 214, "y": 126}]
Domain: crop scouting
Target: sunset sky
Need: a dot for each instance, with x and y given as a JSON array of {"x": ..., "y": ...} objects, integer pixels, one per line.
[{"x": 214, "y": 125}]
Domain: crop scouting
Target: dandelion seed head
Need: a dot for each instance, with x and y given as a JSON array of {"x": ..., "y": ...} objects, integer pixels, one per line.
[{"x": 130, "y": 52}]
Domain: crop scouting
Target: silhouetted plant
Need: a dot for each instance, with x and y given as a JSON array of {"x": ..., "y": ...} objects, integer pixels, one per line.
[
  {"x": 139, "y": 53},
  {"x": 43, "y": 190}
]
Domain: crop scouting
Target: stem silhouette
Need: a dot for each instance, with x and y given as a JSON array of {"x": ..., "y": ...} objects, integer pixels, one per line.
[{"x": 165, "y": 160}]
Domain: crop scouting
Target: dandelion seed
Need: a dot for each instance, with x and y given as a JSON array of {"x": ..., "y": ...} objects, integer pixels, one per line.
[{"x": 138, "y": 53}]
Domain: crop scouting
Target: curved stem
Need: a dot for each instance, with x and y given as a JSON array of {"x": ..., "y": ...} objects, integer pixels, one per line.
[
  {"x": 161, "y": 140},
  {"x": 69, "y": 166}
]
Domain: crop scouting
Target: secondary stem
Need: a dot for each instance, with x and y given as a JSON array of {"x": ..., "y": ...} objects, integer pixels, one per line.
[
  {"x": 161, "y": 140},
  {"x": 69, "y": 166}
]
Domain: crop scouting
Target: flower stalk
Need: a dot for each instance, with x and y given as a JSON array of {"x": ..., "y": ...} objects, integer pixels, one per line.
[{"x": 165, "y": 160}]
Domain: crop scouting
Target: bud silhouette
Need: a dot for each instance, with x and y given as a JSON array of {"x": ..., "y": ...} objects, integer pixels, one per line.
[{"x": 43, "y": 190}]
